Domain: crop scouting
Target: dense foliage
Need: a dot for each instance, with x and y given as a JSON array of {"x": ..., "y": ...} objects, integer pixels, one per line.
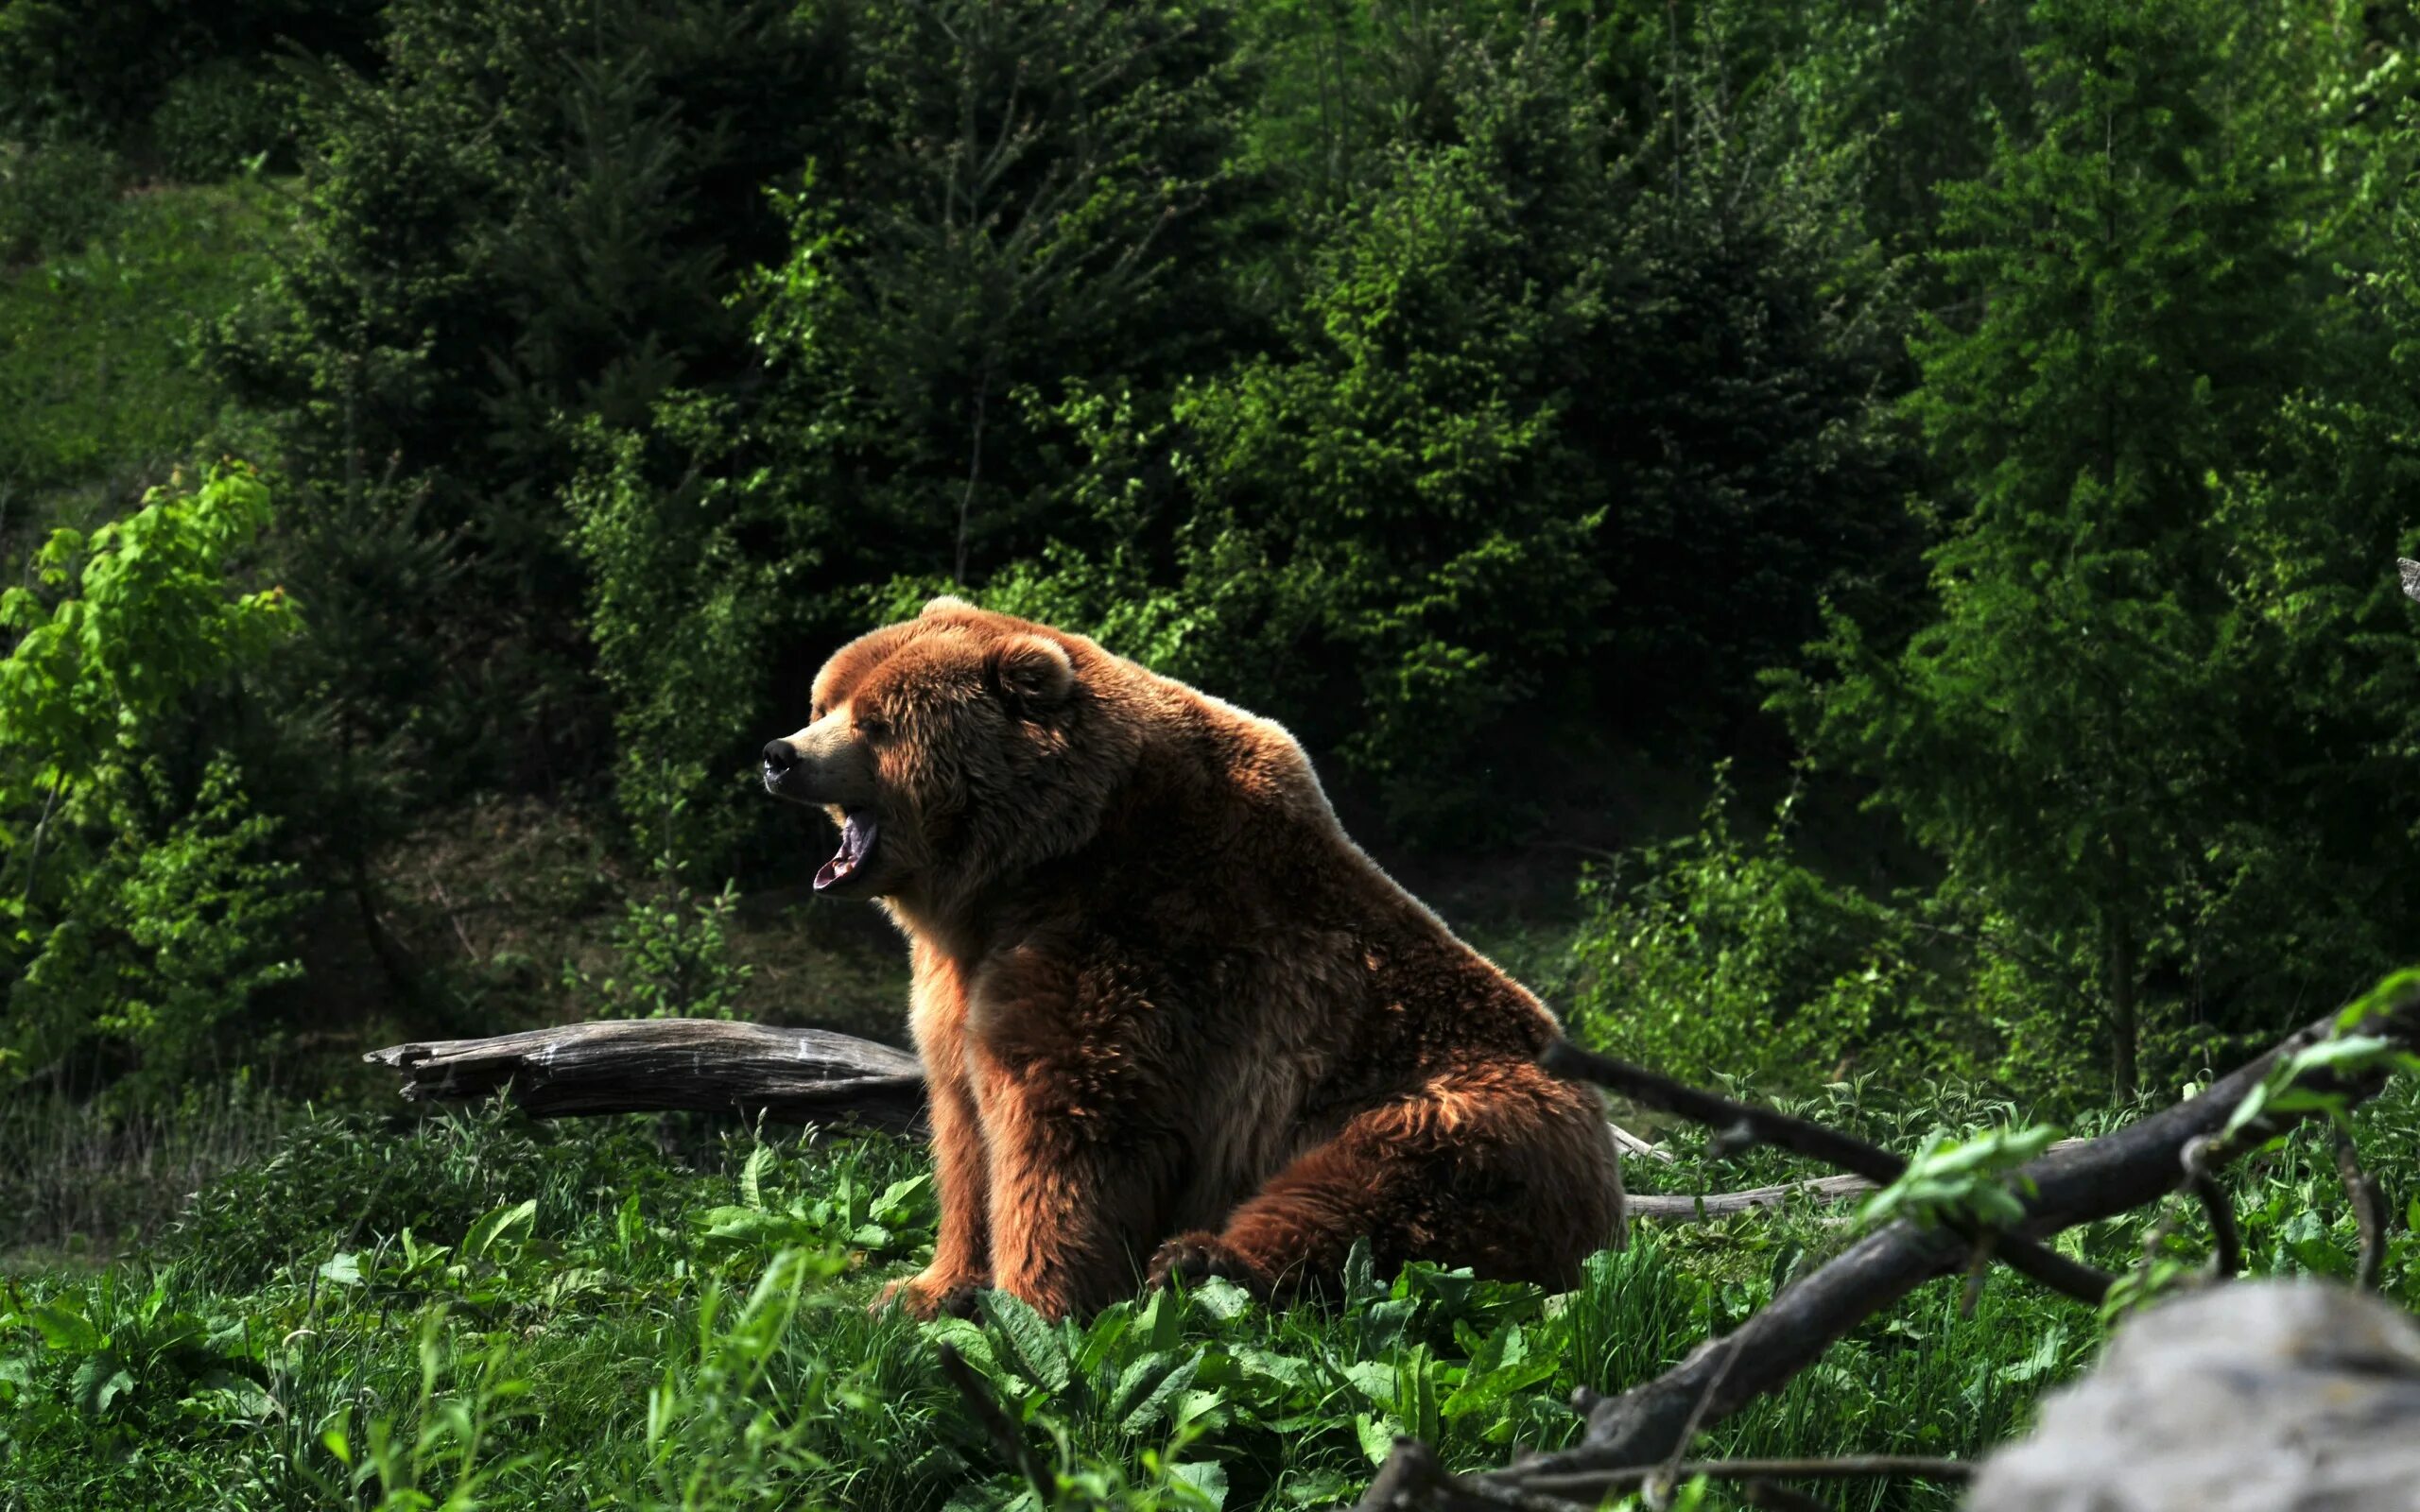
[
  {"x": 2021, "y": 396},
  {"x": 472, "y": 1309},
  {"x": 1906, "y": 491}
]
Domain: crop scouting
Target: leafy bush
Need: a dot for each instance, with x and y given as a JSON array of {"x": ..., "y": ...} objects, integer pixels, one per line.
[
  {"x": 534, "y": 212},
  {"x": 146, "y": 911},
  {"x": 221, "y": 118},
  {"x": 99, "y": 399},
  {"x": 99, "y": 70},
  {"x": 54, "y": 198},
  {"x": 557, "y": 1316},
  {"x": 1717, "y": 955},
  {"x": 673, "y": 960}
]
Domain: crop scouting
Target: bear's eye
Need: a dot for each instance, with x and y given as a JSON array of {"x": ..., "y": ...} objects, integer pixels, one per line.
[{"x": 873, "y": 726}]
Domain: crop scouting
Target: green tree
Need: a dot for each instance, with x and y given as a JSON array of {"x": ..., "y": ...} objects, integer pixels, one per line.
[
  {"x": 1014, "y": 197},
  {"x": 141, "y": 901},
  {"x": 2065, "y": 731},
  {"x": 535, "y": 212},
  {"x": 102, "y": 70}
]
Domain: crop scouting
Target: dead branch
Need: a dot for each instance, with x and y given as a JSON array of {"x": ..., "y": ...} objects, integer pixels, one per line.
[
  {"x": 1846, "y": 1468},
  {"x": 1636, "y": 1431},
  {"x": 1413, "y": 1479},
  {"x": 2369, "y": 1212},
  {"x": 1685, "y": 1208},
  {"x": 1681, "y": 1207},
  {"x": 2226, "y": 1246},
  {"x": 652, "y": 1065},
  {"x": 1765, "y": 1126}
]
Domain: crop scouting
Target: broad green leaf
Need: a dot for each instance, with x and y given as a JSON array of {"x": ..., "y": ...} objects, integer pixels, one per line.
[
  {"x": 1031, "y": 1341},
  {"x": 2352, "y": 1049},
  {"x": 100, "y": 1381},
  {"x": 1107, "y": 1327},
  {"x": 751, "y": 1177},
  {"x": 1153, "y": 1403},
  {"x": 63, "y": 1330},
  {"x": 1205, "y": 1479},
  {"x": 1285, "y": 1370},
  {"x": 235, "y": 1397},
  {"x": 1377, "y": 1433},
  {"x": 967, "y": 1337},
  {"x": 1222, "y": 1298},
  {"x": 1376, "y": 1380},
  {"x": 486, "y": 1234},
  {"x": 902, "y": 1203},
  {"x": 1479, "y": 1392},
  {"x": 2043, "y": 1357}
]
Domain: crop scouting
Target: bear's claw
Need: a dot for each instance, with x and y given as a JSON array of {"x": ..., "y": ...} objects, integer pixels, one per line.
[
  {"x": 1196, "y": 1256},
  {"x": 925, "y": 1300}
]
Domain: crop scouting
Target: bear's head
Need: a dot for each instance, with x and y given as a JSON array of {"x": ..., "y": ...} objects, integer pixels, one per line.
[{"x": 952, "y": 750}]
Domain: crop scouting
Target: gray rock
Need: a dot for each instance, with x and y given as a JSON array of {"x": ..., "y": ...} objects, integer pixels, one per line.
[{"x": 2250, "y": 1397}]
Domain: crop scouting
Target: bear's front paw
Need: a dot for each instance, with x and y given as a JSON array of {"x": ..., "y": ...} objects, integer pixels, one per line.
[
  {"x": 927, "y": 1296},
  {"x": 1196, "y": 1256}
]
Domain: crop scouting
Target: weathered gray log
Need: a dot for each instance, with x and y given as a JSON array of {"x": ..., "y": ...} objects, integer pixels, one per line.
[
  {"x": 2411, "y": 571},
  {"x": 655, "y": 1065},
  {"x": 1687, "y": 1207},
  {"x": 791, "y": 1075},
  {"x": 2286, "y": 1396}
]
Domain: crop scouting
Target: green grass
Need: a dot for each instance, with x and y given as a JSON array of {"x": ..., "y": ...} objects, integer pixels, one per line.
[
  {"x": 98, "y": 392},
  {"x": 474, "y": 1309}
]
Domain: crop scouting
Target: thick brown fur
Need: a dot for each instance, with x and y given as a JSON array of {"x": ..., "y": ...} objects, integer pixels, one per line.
[{"x": 1173, "y": 1020}]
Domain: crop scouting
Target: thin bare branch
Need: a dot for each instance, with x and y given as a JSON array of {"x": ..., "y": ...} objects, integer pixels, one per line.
[
  {"x": 1670, "y": 1476},
  {"x": 2369, "y": 1212},
  {"x": 1765, "y": 1126},
  {"x": 1846, "y": 1468},
  {"x": 2226, "y": 1246}
]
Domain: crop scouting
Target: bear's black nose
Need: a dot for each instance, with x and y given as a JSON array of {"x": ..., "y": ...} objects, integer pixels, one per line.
[{"x": 780, "y": 756}]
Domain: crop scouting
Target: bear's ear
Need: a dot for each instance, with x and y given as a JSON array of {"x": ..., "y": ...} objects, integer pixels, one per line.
[
  {"x": 944, "y": 605},
  {"x": 1030, "y": 671}
]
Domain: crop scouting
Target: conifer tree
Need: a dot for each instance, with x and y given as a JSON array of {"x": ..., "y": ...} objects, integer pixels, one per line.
[{"x": 2064, "y": 730}]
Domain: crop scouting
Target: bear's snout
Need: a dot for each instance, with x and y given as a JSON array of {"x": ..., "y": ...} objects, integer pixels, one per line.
[
  {"x": 781, "y": 759},
  {"x": 822, "y": 766}
]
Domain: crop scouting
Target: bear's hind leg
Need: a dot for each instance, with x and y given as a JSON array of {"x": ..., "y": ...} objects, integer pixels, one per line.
[{"x": 1500, "y": 1168}]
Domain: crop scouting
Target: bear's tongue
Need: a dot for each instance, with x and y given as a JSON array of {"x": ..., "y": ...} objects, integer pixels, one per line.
[{"x": 857, "y": 843}]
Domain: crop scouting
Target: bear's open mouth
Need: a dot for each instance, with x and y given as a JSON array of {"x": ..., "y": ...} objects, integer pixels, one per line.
[{"x": 857, "y": 843}]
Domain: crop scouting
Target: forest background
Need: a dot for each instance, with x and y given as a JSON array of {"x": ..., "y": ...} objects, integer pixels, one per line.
[{"x": 1850, "y": 542}]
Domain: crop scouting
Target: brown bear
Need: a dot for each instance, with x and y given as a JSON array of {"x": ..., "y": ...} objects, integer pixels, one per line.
[{"x": 1174, "y": 1022}]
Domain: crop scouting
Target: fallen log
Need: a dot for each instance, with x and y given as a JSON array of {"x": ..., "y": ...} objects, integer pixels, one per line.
[
  {"x": 821, "y": 1077},
  {"x": 661, "y": 1065},
  {"x": 714, "y": 1065}
]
